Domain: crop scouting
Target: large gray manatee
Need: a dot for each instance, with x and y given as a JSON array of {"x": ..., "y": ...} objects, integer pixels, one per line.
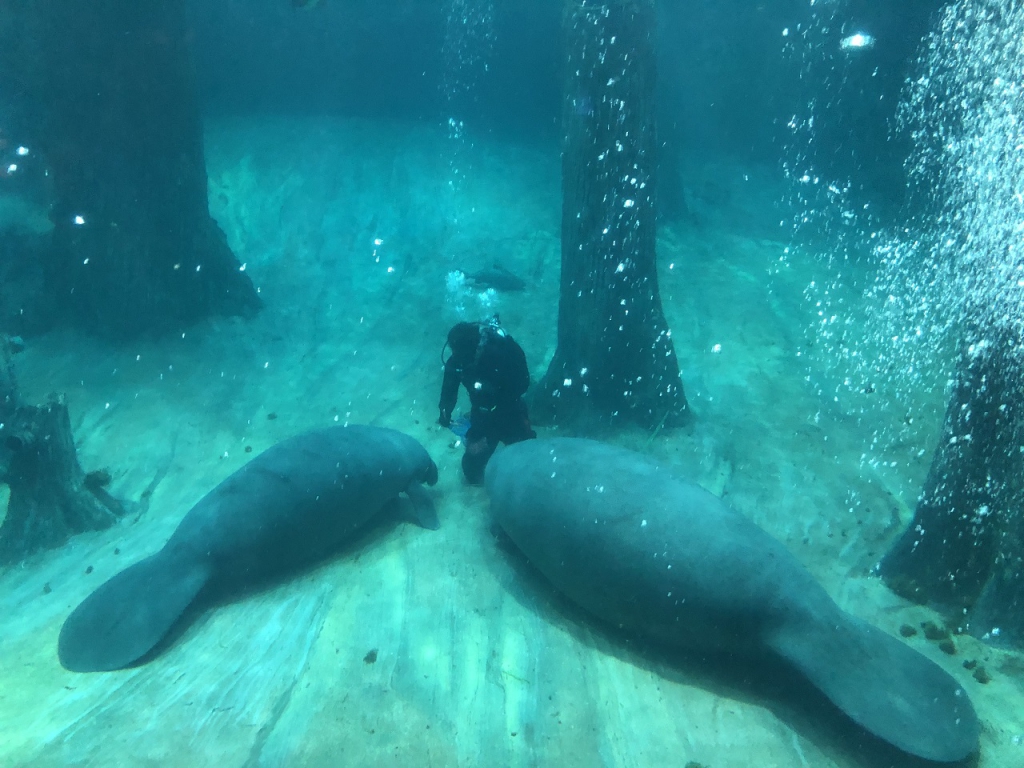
[
  {"x": 643, "y": 550},
  {"x": 294, "y": 504}
]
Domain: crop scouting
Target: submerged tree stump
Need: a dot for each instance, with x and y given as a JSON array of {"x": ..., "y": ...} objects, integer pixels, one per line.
[
  {"x": 50, "y": 499},
  {"x": 615, "y": 360},
  {"x": 107, "y": 94},
  {"x": 964, "y": 550}
]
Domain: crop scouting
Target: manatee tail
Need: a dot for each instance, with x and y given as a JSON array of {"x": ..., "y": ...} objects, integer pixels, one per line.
[
  {"x": 883, "y": 685},
  {"x": 129, "y": 615}
]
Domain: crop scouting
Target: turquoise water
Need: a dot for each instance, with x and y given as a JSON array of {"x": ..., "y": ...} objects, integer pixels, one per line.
[{"x": 431, "y": 648}]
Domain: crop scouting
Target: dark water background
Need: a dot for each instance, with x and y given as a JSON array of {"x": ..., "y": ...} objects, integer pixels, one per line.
[{"x": 728, "y": 83}]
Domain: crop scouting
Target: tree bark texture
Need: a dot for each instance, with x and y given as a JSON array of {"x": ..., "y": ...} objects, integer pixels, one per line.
[
  {"x": 614, "y": 360},
  {"x": 50, "y": 498},
  {"x": 116, "y": 115},
  {"x": 964, "y": 550}
]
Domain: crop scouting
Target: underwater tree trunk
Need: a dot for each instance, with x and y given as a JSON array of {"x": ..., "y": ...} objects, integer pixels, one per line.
[
  {"x": 9, "y": 400},
  {"x": 964, "y": 550},
  {"x": 135, "y": 250},
  {"x": 50, "y": 498},
  {"x": 614, "y": 360}
]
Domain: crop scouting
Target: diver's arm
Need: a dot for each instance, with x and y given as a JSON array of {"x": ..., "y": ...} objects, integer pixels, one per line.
[{"x": 449, "y": 392}]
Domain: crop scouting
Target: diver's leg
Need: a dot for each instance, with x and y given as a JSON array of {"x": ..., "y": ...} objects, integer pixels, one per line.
[{"x": 480, "y": 444}]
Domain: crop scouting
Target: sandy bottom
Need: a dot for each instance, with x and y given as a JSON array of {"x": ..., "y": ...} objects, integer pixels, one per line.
[{"x": 477, "y": 663}]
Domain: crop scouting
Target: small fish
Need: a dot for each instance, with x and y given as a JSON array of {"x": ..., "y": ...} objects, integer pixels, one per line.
[{"x": 496, "y": 277}]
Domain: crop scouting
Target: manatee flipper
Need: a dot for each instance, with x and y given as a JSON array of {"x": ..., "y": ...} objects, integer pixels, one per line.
[
  {"x": 130, "y": 614},
  {"x": 882, "y": 684},
  {"x": 423, "y": 512}
]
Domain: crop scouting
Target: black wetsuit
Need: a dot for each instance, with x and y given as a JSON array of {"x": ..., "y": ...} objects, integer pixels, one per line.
[{"x": 493, "y": 370}]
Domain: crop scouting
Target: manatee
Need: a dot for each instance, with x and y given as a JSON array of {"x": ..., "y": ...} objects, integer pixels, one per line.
[
  {"x": 291, "y": 506},
  {"x": 661, "y": 557}
]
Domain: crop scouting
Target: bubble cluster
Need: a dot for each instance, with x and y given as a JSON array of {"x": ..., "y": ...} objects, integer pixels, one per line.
[
  {"x": 893, "y": 303},
  {"x": 964, "y": 113},
  {"x": 467, "y": 48}
]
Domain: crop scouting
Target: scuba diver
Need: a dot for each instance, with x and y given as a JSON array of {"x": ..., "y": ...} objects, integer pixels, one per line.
[{"x": 492, "y": 367}]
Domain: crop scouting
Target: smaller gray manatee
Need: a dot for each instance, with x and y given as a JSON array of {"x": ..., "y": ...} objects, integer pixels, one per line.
[
  {"x": 643, "y": 550},
  {"x": 293, "y": 505}
]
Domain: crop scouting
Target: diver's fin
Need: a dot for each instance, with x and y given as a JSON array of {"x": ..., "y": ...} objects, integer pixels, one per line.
[
  {"x": 883, "y": 685},
  {"x": 128, "y": 615},
  {"x": 422, "y": 512}
]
